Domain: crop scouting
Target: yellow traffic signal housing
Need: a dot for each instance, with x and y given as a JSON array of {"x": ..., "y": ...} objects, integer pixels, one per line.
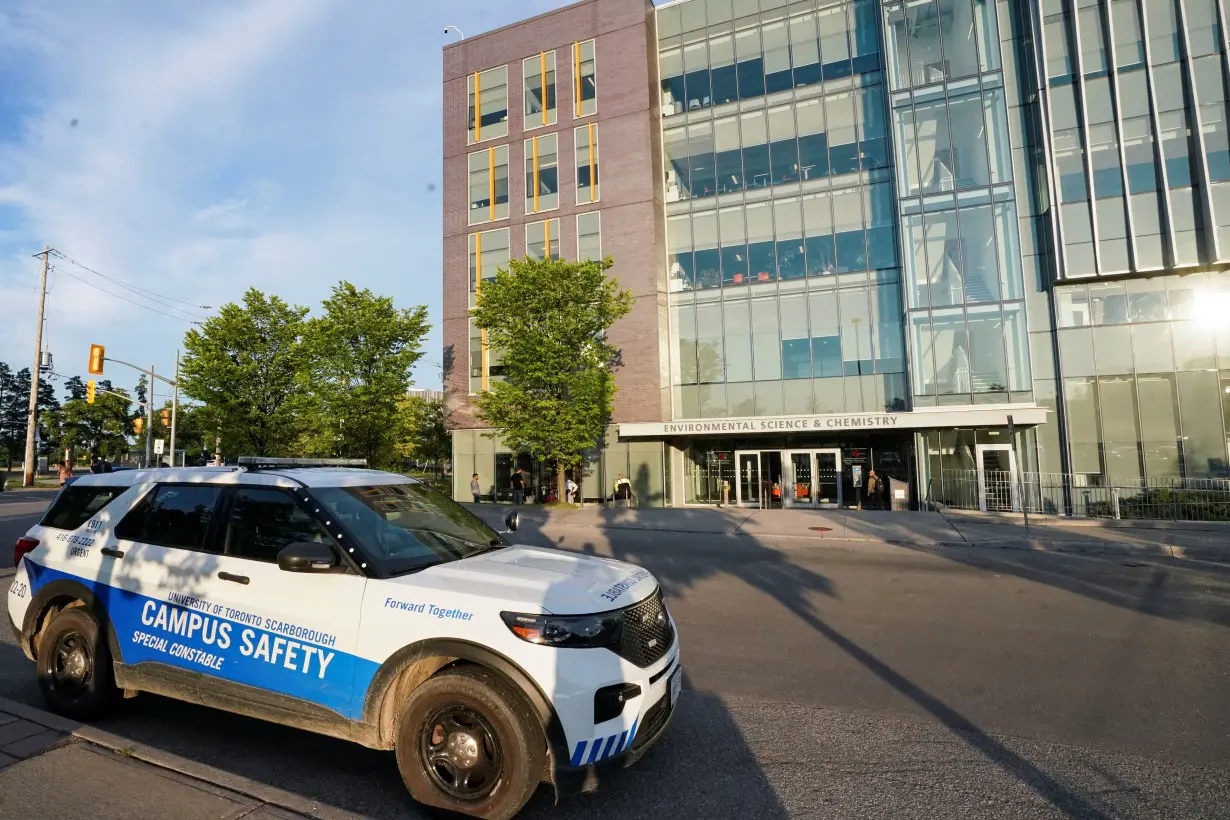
[
  {"x": 138, "y": 425},
  {"x": 89, "y": 391},
  {"x": 166, "y": 418},
  {"x": 97, "y": 357}
]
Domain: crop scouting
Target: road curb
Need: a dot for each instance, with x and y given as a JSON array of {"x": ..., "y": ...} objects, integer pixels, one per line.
[{"x": 269, "y": 795}]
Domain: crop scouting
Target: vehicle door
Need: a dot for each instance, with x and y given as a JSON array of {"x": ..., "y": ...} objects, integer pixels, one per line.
[{"x": 293, "y": 633}]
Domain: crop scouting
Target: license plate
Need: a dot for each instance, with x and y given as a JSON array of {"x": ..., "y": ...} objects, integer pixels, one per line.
[{"x": 676, "y": 684}]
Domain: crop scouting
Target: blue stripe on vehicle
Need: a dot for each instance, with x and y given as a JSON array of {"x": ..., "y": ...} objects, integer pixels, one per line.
[
  {"x": 619, "y": 747},
  {"x": 579, "y": 754},
  {"x": 223, "y": 648},
  {"x": 595, "y": 750},
  {"x": 610, "y": 741},
  {"x": 632, "y": 734}
]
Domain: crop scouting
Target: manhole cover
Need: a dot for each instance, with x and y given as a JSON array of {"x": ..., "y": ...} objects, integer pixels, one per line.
[{"x": 820, "y": 529}]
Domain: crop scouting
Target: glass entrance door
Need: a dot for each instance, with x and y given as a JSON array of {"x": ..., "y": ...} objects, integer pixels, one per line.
[
  {"x": 997, "y": 478},
  {"x": 748, "y": 485},
  {"x": 800, "y": 489},
  {"x": 828, "y": 478}
]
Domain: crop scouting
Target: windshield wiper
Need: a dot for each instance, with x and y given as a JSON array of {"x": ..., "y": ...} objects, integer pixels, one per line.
[{"x": 492, "y": 546}]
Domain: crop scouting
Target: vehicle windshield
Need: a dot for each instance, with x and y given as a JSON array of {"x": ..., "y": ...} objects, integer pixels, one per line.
[{"x": 406, "y": 527}]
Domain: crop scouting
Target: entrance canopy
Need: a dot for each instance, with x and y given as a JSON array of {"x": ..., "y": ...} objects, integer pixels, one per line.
[{"x": 923, "y": 419}]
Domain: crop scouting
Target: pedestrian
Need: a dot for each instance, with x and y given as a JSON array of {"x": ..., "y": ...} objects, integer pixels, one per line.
[
  {"x": 570, "y": 490},
  {"x": 623, "y": 490},
  {"x": 66, "y": 472},
  {"x": 96, "y": 466},
  {"x": 106, "y": 466},
  {"x": 518, "y": 487},
  {"x": 874, "y": 487},
  {"x": 476, "y": 489}
]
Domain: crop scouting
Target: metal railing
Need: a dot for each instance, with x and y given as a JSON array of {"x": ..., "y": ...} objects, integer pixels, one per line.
[{"x": 1092, "y": 496}]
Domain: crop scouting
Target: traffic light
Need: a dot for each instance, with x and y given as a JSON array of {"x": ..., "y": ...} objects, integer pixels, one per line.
[
  {"x": 97, "y": 356},
  {"x": 138, "y": 425},
  {"x": 89, "y": 392},
  {"x": 166, "y": 417}
]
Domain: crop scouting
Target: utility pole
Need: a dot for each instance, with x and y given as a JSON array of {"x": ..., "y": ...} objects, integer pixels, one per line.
[
  {"x": 149, "y": 421},
  {"x": 174, "y": 407},
  {"x": 31, "y": 464}
]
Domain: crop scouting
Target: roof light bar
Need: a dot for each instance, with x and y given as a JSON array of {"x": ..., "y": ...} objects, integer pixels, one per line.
[{"x": 263, "y": 462}]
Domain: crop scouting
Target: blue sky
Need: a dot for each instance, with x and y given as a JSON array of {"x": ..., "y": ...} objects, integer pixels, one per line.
[{"x": 196, "y": 149}]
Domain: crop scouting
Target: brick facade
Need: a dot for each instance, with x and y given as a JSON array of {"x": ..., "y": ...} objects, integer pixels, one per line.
[{"x": 633, "y": 232}]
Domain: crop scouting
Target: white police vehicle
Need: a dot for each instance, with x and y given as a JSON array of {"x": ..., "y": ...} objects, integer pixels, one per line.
[{"x": 354, "y": 603}]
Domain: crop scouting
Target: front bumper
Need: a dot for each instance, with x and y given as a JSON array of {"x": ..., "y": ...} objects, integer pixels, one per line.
[{"x": 571, "y": 780}]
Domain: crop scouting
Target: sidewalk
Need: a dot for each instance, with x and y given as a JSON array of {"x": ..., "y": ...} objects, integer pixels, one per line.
[
  {"x": 53, "y": 768},
  {"x": 1204, "y": 541}
]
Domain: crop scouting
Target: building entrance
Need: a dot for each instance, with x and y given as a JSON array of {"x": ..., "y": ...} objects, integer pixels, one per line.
[{"x": 813, "y": 478}]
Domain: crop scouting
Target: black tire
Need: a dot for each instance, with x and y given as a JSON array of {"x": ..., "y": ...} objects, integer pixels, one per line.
[
  {"x": 74, "y": 666},
  {"x": 442, "y": 717}
]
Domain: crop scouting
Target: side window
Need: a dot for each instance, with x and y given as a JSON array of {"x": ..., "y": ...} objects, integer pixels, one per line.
[
  {"x": 264, "y": 521},
  {"x": 75, "y": 505},
  {"x": 179, "y": 515}
]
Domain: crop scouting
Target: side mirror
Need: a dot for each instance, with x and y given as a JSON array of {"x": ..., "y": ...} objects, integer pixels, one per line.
[
  {"x": 306, "y": 556},
  {"x": 512, "y": 521}
]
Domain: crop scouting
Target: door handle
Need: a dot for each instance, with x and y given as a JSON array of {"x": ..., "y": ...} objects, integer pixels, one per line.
[
  {"x": 238, "y": 579},
  {"x": 114, "y": 553}
]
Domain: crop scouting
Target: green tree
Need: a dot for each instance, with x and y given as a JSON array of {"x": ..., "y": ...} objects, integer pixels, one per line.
[
  {"x": 98, "y": 429},
  {"x": 247, "y": 364},
  {"x": 421, "y": 431},
  {"x": 548, "y": 320},
  {"x": 360, "y": 353},
  {"x": 74, "y": 387},
  {"x": 14, "y": 405}
]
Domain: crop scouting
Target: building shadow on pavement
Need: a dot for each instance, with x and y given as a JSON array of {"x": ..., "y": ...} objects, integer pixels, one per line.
[{"x": 796, "y": 588}]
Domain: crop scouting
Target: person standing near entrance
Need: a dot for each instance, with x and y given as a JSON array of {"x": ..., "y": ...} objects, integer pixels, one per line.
[
  {"x": 875, "y": 490},
  {"x": 476, "y": 489},
  {"x": 518, "y": 487}
]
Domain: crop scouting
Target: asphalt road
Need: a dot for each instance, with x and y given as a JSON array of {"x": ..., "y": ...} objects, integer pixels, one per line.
[{"x": 855, "y": 681}]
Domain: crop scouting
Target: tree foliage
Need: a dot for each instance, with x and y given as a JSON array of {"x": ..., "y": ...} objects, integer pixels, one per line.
[
  {"x": 548, "y": 320},
  {"x": 98, "y": 429},
  {"x": 247, "y": 364},
  {"x": 422, "y": 434},
  {"x": 359, "y": 355}
]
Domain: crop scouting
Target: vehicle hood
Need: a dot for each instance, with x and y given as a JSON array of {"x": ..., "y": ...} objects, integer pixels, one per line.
[{"x": 557, "y": 582}]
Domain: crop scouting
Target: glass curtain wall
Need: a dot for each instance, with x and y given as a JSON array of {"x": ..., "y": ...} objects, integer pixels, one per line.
[
  {"x": 1136, "y": 109},
  {"x": 781, "y": 223},
  {"x": 1146, "y": 377},
  {"x": 961, "y": 254}
]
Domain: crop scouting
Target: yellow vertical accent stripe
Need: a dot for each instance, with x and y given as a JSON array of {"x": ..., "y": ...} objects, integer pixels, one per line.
[
  {"x": 491, "y": 180},
  {"x": 593, "y": 183},
  {"x": 534, "y": 142},
  {"x": 546, "y": 232},
  {"x": 478, "y": 291},
  {"x": 542, "y": 73},
  {"x": 576, "y": 72},
  {"x": 478, "y": 107}
]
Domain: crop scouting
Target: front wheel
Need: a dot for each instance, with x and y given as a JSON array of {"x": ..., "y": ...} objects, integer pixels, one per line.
[
  {"x": 74, "y": 666},
  {"x": 468, "y": 743}
]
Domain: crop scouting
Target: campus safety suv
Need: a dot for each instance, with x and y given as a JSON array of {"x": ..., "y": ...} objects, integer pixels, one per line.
[{"x": 354, "y": 603}]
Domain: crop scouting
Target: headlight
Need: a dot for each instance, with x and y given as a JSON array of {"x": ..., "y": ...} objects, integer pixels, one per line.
[{"x": 569, "y": 631}]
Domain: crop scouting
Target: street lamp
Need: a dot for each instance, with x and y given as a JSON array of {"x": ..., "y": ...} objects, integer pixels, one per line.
[{"x": 461, "y": 33}]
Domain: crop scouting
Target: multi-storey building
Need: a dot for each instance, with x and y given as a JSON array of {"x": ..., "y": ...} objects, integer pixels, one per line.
[{"x": 948, "y": 240}]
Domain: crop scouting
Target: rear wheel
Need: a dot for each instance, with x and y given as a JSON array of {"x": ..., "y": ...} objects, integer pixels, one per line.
[
  {"x": 74, "y": 666},
  {"x": 468, "y": 743}
]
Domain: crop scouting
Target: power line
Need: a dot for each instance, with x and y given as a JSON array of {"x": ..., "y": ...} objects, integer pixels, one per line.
[
  {"x": 131, "y": 302},
  {"x": 146, "y": 292}
]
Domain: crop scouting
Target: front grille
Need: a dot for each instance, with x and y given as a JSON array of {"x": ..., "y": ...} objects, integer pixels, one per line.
[{"x": 647, "y": 633}]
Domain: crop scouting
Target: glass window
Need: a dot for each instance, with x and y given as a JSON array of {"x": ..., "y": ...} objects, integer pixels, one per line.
[
  {"x": 1016, "y": 345},
  {"x": 957, "y": 31},
  {"x": 723, "y": 81},
  {"x": 1159, "y": 427},
  {"x": 864, "y": 36},
  {"x": 737, "y": 323},
  {"x": 710, "y": 358},
  {"x": 266, "y": 521},
  {"x": 858, "y": 352},
  {"x": 988, "y": 35},
  {"x": 818, "y": 225},
  {"x": 542, "y": 235},
  {"x": 813, "y": 141},
  {"x": 1117, "y": 402},
  {"x": 825, "y": 335},
  {"x": 1070, "y": 166},
  {"x": 179, "y": 515},
  {"x": 585, "y": 140},
  {"x": 908, "y": 152},
  {"x": 887, "y": 320},
  {"x": 934, "y": 148},
  {"x": 1112, "y": 349},
  {"x": 1058, "y": 56},
  {"x": 842, "y": 136},
  {"x": 922, "y": 344},
  {"x": 1076, "y": 352},
  {"x": 728, "y": 157},
  {"x": 1009, "y": 249},
  {"x": 927, "y": 64},
  {"x": 766, "y": 346},
  {"x": 734, "y": 246},
  {"x": 686, "y": 329},
  {"x": 944, "y": 281},
  {"x": 988, "y": 371},
  {"x": 701, "y": 161},
  {"x": 488, "y": 254},
  {"x": 783, "y": 147},
  {"x": 1129, "y": 45},
  {"x": 478, "y": 359},
  {"x": 914, "y": 253},
  {"x": 750, "y": 67},
  {"x": 1203, "y": 27},
  {"x": 870, "y": 117},
  {"x": 1176, "y": 144},
  {"x": 1104, "y": 157},
  {"x": 1108, "y": 303},
  {"x": 998, "y": 146},
  {"x": 1072, "y": 307},
  {"x": 832, "y": 24},
  {"x": 755, "y": 149},
  {"x": 1204, "y": 440},
  {"x": 796, "y": 344},
  {"x": 1098, "y": 107},
  {"x": 589, "y": 236},
  {"x": 898, "y": 55},
  {"x": 585, "y": 68},
  {"x": 805, "y": 49},
  {"x": 788, "y": 228},
  {"x": 979, "y": 261},
  {"x": 675, "y": 143},
  {"x": 969, "y": 150},
  {"x": 489, "y": 184},
  {"x": 670, "y": 65},
  {"x": 538, "y": 75},
  {"x": 762, "y": 259},
  {"x": 1163, "y": 31},
  {"x": 1138, "y": 149},
  {"x": 1093, "y": 49},
  {"x": 679, "y": 244},
  {"x": 705, "y": 239},
  {"x": 777, "y": 73},
  {"x": 952, "y": 351},
  {"x": 542, "y": 173},
  {"x": 489, "y": 117},
  {"x": 75, "y": 505},
  {"x": 696, "y": 77},
  {"x": 1080, "y": 399},
  {"x": 849, "y": 225}
]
